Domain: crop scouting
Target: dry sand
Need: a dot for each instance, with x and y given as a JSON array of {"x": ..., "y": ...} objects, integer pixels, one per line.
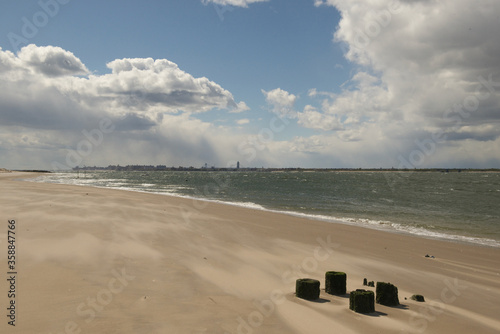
[{"x": 107, "y": 261}]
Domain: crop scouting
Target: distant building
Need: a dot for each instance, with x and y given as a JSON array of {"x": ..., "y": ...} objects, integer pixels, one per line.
[{"x": 238, "y": 165}]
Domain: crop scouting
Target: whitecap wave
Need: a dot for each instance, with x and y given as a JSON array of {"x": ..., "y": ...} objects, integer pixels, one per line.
[{"x": 68, "y": 178}]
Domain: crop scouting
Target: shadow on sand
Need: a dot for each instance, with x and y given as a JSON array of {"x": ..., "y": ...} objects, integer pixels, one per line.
[
  {"x": 321, "y": 301},
  {"x": 375, "y": 314}
]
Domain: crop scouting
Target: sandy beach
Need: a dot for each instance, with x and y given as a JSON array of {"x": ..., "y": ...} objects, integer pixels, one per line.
[{"x": 92, "y": 260}]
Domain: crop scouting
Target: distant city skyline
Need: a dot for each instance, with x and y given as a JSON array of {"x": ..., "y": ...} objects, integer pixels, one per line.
[{"x": 264, "y": 169}]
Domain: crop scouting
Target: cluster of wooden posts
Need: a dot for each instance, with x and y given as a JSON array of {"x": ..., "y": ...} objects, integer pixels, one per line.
[{"x": 360, "y": 300}]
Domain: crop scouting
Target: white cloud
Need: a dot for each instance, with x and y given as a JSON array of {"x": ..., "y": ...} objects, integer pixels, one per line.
[
  {"x": 421, "y": 68},
  {"x": 52, "y": 61},
  {"x": 154, "y": 85},
  {"x": 313, "y": 92},
  {"x": 240, "y": 107},
  {"x": 311, "y": 118},
  {"x": 281, "y": 101},
  {"x": 243, "y": 121},
  {"x": 236, "y": 3},
  {"x": 48, "y": 95}
]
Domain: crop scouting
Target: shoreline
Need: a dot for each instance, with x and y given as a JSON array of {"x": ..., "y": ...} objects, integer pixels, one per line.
[
  {"x": 377, "y": 225},
  {"x": 190, "y": 267}
]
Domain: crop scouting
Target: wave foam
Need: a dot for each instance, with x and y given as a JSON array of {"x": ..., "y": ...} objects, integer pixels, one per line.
[{"x": 67, "y": 178}]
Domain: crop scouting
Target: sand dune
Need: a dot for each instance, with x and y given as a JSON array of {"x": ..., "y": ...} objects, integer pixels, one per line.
[{"x": 106, "y": 261}]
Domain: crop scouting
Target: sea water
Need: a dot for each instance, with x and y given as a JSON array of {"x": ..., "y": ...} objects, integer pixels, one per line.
[{"x": 463, "y": 207}]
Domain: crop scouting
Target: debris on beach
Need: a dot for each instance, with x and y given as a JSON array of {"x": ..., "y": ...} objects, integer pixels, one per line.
[
  {"x": 418, "y": 298},
  {"x": 366, "y": 283}
]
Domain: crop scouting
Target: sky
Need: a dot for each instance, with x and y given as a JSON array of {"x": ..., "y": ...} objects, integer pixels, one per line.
[{"x": 268, "y": 83}]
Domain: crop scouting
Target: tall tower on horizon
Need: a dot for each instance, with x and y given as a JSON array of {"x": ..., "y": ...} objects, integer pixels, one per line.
[{"x": 238, "y": 165}]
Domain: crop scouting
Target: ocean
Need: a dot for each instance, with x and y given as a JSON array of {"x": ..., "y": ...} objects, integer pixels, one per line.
[{"x": 461, "y": 207}]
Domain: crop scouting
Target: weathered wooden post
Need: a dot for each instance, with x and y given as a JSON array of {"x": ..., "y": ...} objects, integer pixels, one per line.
[
  {"x": 362, "y": 301},
  {"x": 307, "y": 288},
  {"x": 387, "y": 294},
  {"x": 335, "y": 282}
]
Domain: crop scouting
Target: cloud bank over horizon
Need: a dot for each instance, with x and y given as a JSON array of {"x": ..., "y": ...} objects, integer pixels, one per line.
[
  {"x": 426, "y": 87},
  {"x": 423, "y": 91},
  {"x": 50, "y": 98}
]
